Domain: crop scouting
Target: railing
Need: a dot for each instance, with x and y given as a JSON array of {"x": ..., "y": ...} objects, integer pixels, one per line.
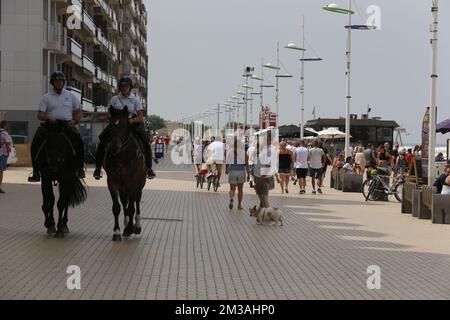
[
  {"x": 106, "y": 43},
  {"x": 89, "y": 22},
  {"x": 76, "y": 92},
  {"x": 133, "y": 30},
  {"x": 76, "y": 49},
  {"x": 87, "y": 105},
  {"x": 55, "y": 33},
  {"x": 88, "y": 64},
  {"x": 132, "y": 53},
  {"x": 133, "y": 9},
  {"x": 77, "y": 3},
  {"x": 100, "y": 75}
]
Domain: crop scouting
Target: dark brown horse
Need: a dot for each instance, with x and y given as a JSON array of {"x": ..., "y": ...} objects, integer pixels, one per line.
[{"x": 125, "y": 167}]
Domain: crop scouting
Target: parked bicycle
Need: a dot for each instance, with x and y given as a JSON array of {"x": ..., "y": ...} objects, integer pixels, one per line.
[{"x": 379, "y": 185}]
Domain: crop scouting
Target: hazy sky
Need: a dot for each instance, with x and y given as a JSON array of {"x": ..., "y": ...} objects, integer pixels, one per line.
[{"x": 198, "y": 49}]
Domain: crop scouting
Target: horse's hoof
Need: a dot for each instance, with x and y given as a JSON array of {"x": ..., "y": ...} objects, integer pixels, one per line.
[
  {"x": 126, "y": 234},
  {"x": 59, "y": 235},
  {"x": 65, "y": 229},
  {"x": 137, "y": 230},
  {"x": 117, "y": 238},
  {"x": 51, "y": 230}
]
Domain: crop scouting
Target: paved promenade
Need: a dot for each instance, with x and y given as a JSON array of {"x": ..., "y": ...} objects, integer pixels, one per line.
[{"x": 193, "y": 247}]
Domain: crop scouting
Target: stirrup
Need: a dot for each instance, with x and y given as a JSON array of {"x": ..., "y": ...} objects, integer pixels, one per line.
[
  {"x": 81, "y": 174},
  {"x": 98, "y": 174},
  {"x": 150, "y": 174},
  {"x": 35, "y": 177}
]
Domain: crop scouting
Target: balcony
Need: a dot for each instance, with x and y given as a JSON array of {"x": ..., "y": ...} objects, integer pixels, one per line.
[
  {"x": 89, "y": 22},
  {"x": 55, "y": 36},
  {"x": 76, "y": 92},
  {"x": 75, "y": 48},
  {"x": 87, "y": 105},
  {"x": 77, "y": 3},
  {"x": 100, "y": 75},
  {"x": 133, "y": 31},
  {"x": 88, "y": 64}
]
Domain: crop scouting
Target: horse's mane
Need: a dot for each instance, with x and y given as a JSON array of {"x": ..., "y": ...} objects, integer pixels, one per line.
[{"x": 115, "y": 113}]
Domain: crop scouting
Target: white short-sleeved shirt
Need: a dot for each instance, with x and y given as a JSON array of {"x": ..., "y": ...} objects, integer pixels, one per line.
[
  {"x": 301, "y": 159},
  {"x": 133, "y": 104},
  {"x": 267, "y": 157},
  {"x": 348, "y": 168},
  {"x": 251, "y": 153},
  {"x": 217, "y": 151},
  {"x": 316, "y": 158},
  {"x": 59, "y": 106}
]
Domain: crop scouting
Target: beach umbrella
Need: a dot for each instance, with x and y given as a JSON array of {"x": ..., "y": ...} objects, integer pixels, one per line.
[
  {"x": 331, "y": 134},
  {"x": 443, "y": 127}
]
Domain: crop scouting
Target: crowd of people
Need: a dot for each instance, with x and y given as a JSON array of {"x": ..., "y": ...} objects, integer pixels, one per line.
[{"x": 296, "y": 161}]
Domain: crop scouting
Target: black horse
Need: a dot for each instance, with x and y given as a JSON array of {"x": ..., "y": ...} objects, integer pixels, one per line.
[
  {"x": 57, "y": 164},
  {"x": 126, "y": 170}
]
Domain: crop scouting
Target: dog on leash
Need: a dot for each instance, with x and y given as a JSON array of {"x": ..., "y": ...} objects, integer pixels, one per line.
[{"x": 263, "y": 215}]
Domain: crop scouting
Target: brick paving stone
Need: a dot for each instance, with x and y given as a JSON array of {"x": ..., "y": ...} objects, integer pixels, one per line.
[{"x": 194, "y": 247}]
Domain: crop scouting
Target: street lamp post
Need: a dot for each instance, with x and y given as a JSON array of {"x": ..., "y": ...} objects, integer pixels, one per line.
[
  {"x": 302, "y": 76},
  {"x": 334, "y": 8}
]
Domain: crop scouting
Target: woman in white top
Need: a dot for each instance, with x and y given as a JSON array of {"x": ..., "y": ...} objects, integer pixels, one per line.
[{"x": 360, "y": 161}]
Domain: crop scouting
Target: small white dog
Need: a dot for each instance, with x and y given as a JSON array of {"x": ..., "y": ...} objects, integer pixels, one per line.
[{"x": 267, "y": 215}]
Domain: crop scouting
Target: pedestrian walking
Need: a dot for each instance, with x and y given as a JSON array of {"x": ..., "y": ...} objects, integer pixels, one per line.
[
  {"x": 285, "y": 163},
  {"x": 301, "y": 165},
  {"x": 265, "y": 170},
  {"x": 5, "y": 150},
  {"x": 315, "y": 166},
  {"x": 237, "y": 170}
]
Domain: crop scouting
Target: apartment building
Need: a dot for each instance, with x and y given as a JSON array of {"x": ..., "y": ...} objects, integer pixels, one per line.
[{"x": 94, "y": 42}]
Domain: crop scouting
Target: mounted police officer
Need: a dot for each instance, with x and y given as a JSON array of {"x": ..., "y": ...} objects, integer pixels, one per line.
[
  {"x": 136, "y": 118},
  {"x": 59, "y": 105}
]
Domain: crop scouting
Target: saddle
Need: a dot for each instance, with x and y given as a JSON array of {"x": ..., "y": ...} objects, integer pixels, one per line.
[{"x": 58, "y": 127}]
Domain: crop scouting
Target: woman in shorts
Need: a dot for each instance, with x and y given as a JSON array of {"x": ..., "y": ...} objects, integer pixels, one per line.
[
  {"x": 237, "y": 170},
  {"x": 284, "y": 166}
]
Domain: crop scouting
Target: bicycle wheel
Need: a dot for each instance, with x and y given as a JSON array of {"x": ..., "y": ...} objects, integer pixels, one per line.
[
  {"x": 398, "y": 192},
  {"x": 202, "y": 181},
  {"x": 366, "y": 189}
]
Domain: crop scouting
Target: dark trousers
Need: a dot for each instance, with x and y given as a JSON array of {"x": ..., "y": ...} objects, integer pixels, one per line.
[
  {"x": 71, "y": 133},
  {"x": 139, "y": 131}
]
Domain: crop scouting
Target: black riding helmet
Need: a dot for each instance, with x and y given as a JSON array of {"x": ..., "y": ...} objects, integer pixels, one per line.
[
  {"x": 126, "y": 81},
  {"x": 57, "y": 75}
]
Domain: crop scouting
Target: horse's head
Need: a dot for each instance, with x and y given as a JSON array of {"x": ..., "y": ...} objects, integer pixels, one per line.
[{"x": 119, "y": 128}]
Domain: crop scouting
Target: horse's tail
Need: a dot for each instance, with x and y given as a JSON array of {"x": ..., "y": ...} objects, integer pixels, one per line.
[{"x": 75, "y": 190}]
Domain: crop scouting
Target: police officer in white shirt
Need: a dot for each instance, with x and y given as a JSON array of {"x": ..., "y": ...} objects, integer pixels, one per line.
[
  {"x": 136, "y": 118},
  {"x": 60, "y": 105}
]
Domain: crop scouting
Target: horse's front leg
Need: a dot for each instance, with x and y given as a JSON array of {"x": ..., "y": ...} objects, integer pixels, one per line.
[
  {"x": 138, "y": 228},
  {"x": 62, "y": 206},
  {"x": 116, "y": 212},
  {"x": 47, "y": 205},
  {"x": 129, "y": 229},
  {"x": 65, "y": 220}
]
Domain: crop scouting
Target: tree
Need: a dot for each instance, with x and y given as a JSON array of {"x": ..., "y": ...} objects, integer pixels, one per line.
[{"x": 156, "y": 123}]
